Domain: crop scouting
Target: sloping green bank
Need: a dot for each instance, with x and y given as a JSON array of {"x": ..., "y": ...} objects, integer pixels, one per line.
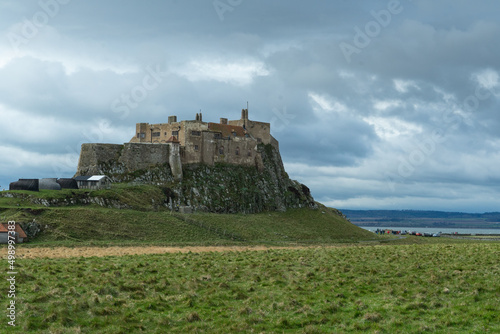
[
  {"x": 127, "y": 214},
  {"x": 105, "y": 226}
]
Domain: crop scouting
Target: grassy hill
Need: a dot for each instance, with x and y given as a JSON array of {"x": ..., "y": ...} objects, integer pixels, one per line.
[{"x": 136, "y": 215}]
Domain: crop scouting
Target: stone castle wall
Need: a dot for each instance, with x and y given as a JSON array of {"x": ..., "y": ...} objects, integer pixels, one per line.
[
  {"x": 113, "y": 159},
  {"x": 110, "y": 159}
]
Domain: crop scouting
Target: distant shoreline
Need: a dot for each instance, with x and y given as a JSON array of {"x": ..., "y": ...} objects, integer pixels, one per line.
[
  {"x": 446, "y": 231},
  {"x": 412, "y": 219},
  {"x": 402, "y": 224}
]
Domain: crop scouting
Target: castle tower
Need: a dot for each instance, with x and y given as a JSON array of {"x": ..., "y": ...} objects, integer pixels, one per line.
[{"x": 244, "y": 114}]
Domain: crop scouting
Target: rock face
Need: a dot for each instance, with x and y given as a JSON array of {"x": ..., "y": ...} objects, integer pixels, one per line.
[
  {"x": 231, "y": 189},
  {"x": 222, "y": 188}
]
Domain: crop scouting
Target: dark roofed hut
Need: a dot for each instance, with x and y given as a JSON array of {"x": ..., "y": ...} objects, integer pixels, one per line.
[
  {"x": 49, "y": 184},
  {"x": 68, "y": 183},
  {"x": 25, "y": 184}
]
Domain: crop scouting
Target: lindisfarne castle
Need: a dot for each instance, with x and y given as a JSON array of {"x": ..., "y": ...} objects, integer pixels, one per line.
[
  {"x": 229, "y": 166},
  {"x": 184, "y": 142}
]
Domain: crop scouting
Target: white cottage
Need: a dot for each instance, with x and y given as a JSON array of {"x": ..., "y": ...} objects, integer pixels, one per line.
[
  {"x": 94, "y": 182},
  {"x": 19, "y": 235}
]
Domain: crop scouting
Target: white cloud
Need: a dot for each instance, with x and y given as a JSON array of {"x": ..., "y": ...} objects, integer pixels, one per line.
[
  {"x": 346, "y": 74},
  {"x": 31, "y": 164},
  {"x": 37, "y": 129},
  {"x": 52, "y": 46},
  {"x": 321, "y": 104},
  {"x": 281, "y": 46},
  {"x": 388, "y": 128},
  {"x": 383, "y": 105},
  {"x": 50, "y": 130},
  {"x": 240, "y": 72},
  {"x": 403, "y": 86},
  {"x": 487, "y": 78}
]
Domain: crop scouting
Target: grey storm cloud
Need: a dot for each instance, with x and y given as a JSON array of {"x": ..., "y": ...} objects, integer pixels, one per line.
[{"x": 406, "y": 118}]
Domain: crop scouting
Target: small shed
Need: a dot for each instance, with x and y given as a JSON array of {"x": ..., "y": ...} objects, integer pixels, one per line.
[
  {"x": 94, "y": 182},
  {"x": 20, "y": 235},
  {"x": 67, "y": 183},
  {"x": 25, "y": 184},
  {"x": 49, "y": 184}
]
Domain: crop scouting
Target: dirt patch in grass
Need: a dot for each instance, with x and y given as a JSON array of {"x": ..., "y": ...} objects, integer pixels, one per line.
[{"x": 67, "y": 252}]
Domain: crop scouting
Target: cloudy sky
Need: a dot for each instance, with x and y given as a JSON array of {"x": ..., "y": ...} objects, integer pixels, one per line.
[{"x": 376, "y": 104}]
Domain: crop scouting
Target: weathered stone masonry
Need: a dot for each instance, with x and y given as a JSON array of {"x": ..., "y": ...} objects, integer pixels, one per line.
[{"x": 111, "y": 159}]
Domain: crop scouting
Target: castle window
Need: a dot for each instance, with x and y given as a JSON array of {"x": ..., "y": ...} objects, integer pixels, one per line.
[
  {"x": 221, "y": 150},
  {"x": 237, "y": 151},
  {"x": 156, "y": 134},
  {"x": 234, "y": 134},
  {"x": 195, "y": 133},
  {"x": 138, "y": 135},
  {"x": 165, "y": 134},
  {"x": 196, "y": 148},
  {"x": 175, "y": 133},
  {"x": 217, "y": 136}
]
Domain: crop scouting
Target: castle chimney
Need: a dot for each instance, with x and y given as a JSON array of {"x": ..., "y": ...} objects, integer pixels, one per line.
[
  {"x": 172, "y": 119},
  {"x": 197, "y": 116},
  {"x": 201, "y": 117},
  {"x": 223, "y": 121},
  {"x": 246, "y": 113}
]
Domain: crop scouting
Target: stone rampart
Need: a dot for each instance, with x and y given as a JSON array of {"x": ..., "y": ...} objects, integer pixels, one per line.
[{"x": 112, "y": 159}]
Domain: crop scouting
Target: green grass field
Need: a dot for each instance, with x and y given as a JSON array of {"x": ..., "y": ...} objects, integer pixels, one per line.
[
  {"x": 364, "y": 283},
  {"x": 438, "y": 288}
]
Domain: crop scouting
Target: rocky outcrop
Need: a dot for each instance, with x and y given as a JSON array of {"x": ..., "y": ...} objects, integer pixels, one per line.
[
  {"x": 232, "y": 189},
  {"x": 222, "y": 188},
  {"x": 74, "y": 198}
]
